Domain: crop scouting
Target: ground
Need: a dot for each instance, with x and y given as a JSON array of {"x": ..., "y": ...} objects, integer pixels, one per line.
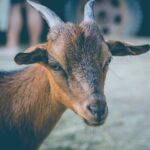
[{"x": 128, "y": 96}]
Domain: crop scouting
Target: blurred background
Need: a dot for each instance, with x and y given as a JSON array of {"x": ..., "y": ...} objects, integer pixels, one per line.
[{"x": 128, "y": 81}]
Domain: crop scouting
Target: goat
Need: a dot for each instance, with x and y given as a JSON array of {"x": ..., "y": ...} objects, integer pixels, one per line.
[{"x": 68, "y": 71}]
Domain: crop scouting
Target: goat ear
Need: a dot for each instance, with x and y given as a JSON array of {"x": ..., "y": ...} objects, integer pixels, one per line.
[
  {"x": 123, "y": 49},
  {"x": 39, "y": 55}
]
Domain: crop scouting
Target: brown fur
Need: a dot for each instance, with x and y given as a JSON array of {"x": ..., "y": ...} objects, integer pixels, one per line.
[
  {"x": 33, "y": 100},
  {"x": 29, "y": 117}
]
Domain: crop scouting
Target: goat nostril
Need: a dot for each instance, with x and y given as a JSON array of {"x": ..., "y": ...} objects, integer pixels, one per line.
[
  {"x": 93, "y": 109},
  {"x": 98, "y": 111},
  {"x": 103, "y": 112}
]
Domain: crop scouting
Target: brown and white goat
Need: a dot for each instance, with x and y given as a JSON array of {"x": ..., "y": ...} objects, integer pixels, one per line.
[{"x": 69, "y": 72}]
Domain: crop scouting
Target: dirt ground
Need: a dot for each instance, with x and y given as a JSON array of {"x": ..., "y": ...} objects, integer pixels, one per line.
[{"x": 128, "y": 125}]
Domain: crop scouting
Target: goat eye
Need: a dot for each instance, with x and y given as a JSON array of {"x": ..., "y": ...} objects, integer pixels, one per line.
[
  {"x": 107, "y": 64},
  {"x": 56, "y": 67}
]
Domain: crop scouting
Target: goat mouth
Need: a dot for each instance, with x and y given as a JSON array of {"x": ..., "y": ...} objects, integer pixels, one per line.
[{"x": 95, "y": 123}]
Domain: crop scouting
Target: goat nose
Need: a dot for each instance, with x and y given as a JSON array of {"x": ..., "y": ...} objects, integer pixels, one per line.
[{"x": 98, "y": 111}]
